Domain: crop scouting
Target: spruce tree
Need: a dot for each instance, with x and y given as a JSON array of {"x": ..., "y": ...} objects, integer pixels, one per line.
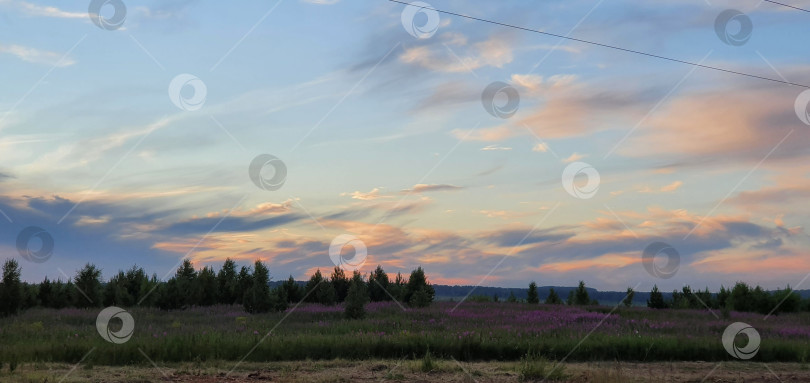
[
  {"x": 314, "y": 283},
  {"x": 88, "y": 291},
  {"x": 326, "y": 294},
  {"x": 45, "y": 293},
  {"x": 340, "y": 282},
  {"x": 257, "y": 298},
  {"x": 553, "y": 298},
  {"x": 581, "y": 297},
  {"x": 243, "y": 282},
  {"x": 207, "y": 286},
  {"x": 356, "y": 298},
  {"x": 292, "y": 291},
  {"x": 656, "y": 300},
  {"x": 531, "y": 296},
  {"x": 226, "y": 279},
  {"x": 378, "y": 285},
  {"x": 418, "y": 292}
]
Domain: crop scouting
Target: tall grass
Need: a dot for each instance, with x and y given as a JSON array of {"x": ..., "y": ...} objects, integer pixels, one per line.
[{"x": 474, "y": 331}]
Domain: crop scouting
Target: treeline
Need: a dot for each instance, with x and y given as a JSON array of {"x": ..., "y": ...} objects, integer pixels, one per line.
[
  {"x": 578, "y": 297},
  {"x": 248, "y": 286},
  {"x": 741, "y": 297}
]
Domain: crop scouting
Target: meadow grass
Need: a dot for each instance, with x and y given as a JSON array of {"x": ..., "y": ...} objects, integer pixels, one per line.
[{"x": 474, "y": 331}]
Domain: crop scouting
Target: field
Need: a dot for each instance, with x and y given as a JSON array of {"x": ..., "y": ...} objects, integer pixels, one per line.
[
  {"x": 228, "y": 338},
  {"x": 339, "y": 371}
]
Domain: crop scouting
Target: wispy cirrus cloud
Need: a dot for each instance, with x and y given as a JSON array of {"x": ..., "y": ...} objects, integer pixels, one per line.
[
  {"x": 32, "y": 9},
  {"x": 424, "y": 188},
  {"x": 37, "y": 56}
]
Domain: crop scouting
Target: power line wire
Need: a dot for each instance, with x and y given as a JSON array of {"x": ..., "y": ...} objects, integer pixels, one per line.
[
  {"x": 614, "y": 47},
  {"x": 786, "y": 5}
]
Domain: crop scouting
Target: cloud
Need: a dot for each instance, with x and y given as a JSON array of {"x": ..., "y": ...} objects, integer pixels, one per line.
[
  {"x": 541, "y": 147},
  {"x": 372, "y": 195},
  {"x": 37, "y": 56},
  {"x": 672, "y": 187},
  {"x": 424, "y": 188},
  {"x": 736, "y": 124},
  {"x": 490, "y": 148},
  {"x": 663, "y": 189},
  {"x": 573, "y": 158},
  {"x": 440, "y": 56},
  {"x": 46, "y": 11}
]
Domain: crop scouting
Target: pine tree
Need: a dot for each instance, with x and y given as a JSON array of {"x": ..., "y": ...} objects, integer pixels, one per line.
[
  {"x": 356, "y": 298},
  {"x": 512, "y": 298},
  {"x": 553, "y": 298},
  {"x": 11, "y": 293},
  {"x": 531, "y": 296}
]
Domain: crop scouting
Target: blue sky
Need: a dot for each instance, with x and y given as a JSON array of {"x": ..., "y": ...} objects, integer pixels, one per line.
[{"x": 385, "y": 138}]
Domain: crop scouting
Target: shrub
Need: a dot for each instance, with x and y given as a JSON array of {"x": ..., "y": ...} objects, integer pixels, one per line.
[
  {"x": 628, "y": 298},
  {"x": 428, "y": 364},
  {"x": 535, "y": 367}
]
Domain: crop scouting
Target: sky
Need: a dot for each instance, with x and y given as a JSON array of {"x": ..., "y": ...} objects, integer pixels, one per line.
[{"x": 310, "y": 133}]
